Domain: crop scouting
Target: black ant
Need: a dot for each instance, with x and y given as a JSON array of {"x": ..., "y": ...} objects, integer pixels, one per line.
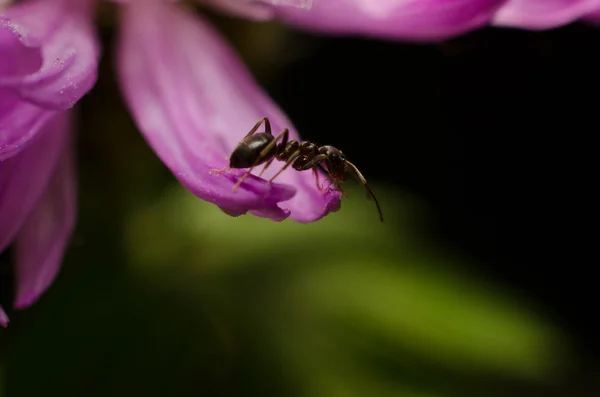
[{"x": 257, "y": 148}]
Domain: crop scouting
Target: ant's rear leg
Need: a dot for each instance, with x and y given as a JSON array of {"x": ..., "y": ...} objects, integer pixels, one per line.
[
  {"x": 266, "y": 166},
  {"x": 283, "y": 134},
  {"x": 252, "y": 131},
  {"x": 289, "y": 162},
  {"x": 265, "y": 152},
  {"x": 257, "y": 126}
]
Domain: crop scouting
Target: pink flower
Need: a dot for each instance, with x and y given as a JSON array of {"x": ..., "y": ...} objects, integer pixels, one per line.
[
  {"x": 37, "y": 208},
  {"x": 415, "y": 20},
  {"x": 433, "y": 20},
  {"x": 48, "y": 61},
  {"x": 190, "y": 95},
  {"x": 545, "y": 14}
]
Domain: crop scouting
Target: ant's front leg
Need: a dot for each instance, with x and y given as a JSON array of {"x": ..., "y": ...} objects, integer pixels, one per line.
[
  {"x": 215, "y": 171},
  {"x": 323, "y": 188},
  {"x": 312, "y": 163},
  {"x": 316, "y": 173},
  {"x": 289, "y": 162},
  {"x": 339, "y": 187}
]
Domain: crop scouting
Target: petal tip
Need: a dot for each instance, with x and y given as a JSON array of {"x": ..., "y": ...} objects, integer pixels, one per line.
[
  {"x": 3, "y": 318},
  {"x": 23, "y": 301},
  {"x": 334, "y": 202}
]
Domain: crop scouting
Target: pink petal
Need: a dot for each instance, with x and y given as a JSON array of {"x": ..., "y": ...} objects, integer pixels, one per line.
[
  {"x": 546, "y": 14},
  {"x": 52, "y": 57},
  {"x": 257, "y": 10},
  {"x": 42, "y": 240},
  {"x": 24, "y": 177},
  {"x": 194, "y": 101},
  {"x": 593, "y": 17},
  {"x": 418, "y": 20},
  {"x": 3, "y": 318},
  {"x": 20, "y": 122}
]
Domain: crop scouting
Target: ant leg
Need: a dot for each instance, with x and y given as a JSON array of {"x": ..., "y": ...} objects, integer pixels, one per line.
[
  {"x": 287, "y": 164},
  {"x": 328, "y": 178},
  {"x": 255, "y": 128},
  {"x": 239, "y": 182},
  {"x": 339, "y": 187},
  {"x": 285, "y": 134},
  {"x": 328, "y": 186},
  {"x": 220, "y": 170},
  {"x": 266, "y": 166},
  {"x": 322, "y": 187},
  {"x": 316, "y": 172},
  {"x": 314, "y": 164},
  {"x": 252, "y": 131}
]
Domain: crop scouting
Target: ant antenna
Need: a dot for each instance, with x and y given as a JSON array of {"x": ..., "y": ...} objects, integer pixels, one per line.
[{"x": 354, "y": 171}]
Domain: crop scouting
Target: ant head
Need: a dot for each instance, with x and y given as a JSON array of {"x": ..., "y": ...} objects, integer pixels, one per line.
[{"x": 336, "y": 162}]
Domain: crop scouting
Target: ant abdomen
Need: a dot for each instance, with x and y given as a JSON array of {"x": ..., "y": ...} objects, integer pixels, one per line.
[{"x": 248, "y": 151}]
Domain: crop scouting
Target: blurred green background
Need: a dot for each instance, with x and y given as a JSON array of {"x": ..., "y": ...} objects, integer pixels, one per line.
[{"x": 162, "y": 294}]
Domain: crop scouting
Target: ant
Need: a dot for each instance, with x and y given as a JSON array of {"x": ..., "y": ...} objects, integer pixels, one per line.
[{"x": 257, "y": 148}]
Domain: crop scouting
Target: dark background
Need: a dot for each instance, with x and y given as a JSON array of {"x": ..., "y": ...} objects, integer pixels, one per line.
[
  {"x": 492, "y": 130},
  {"x": 492, "y": 133}
]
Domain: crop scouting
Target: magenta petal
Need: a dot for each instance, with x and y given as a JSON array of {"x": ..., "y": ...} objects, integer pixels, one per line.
[
  {"x": 593, "y": 17},
  {"x": 193, "y": 100},
  {"x": 42, "y": 240},
  {"x": 3, "y": 318},
  {"x": 20, "y": 121},
  {"x": 24, "y": 177},
  {"x": 418, "y": 20},
  {"x": 257, "y": 10},
  {"x": 253, "y": 10},
  {"x": 49, "y": 55},
  {"x": 546, "y": 14}
]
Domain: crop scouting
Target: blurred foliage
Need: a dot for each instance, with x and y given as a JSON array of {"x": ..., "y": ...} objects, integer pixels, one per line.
[
  {"x": 347, "y": 283},
  {"x": 211, "y": 304}
]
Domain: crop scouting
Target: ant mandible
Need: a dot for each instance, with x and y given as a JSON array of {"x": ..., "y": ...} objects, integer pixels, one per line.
[{"x": 257, "y": 148}]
